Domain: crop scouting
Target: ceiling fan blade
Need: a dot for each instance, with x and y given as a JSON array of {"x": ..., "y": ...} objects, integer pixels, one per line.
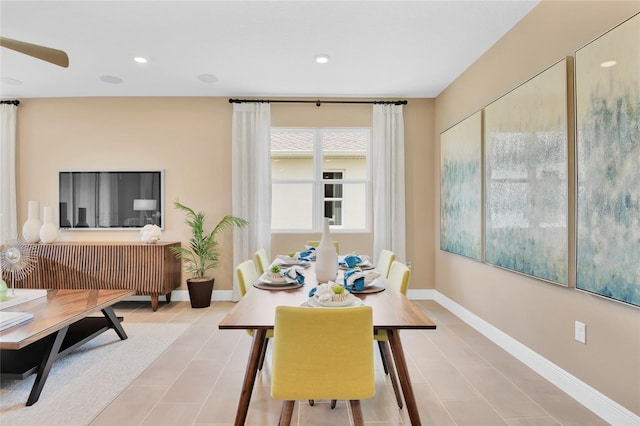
[{"x": 55, "y": 56}]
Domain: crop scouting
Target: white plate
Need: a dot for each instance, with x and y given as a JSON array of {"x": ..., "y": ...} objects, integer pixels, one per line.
[
  {"x": 350, "y": 301},
  {"x": 285, "y": 280},
  {"x": 363, "y": 267},
  {"x": 285, "y": 260},
  {"x": 315, "y": 304}
]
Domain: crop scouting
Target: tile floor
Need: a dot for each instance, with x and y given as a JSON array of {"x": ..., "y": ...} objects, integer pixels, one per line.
[{"x": 459, "y": 378}]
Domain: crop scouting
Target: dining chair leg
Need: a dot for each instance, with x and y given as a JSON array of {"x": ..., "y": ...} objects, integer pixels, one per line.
[
  {"x": 357, "y": 412},
  {"x": 383, "y": 356},
  {"x": 392, "y": 372},
  {"x": 263, "y": 354},
  {"x": 333, "y": 403},
  {"x": 286, "y": 413}
]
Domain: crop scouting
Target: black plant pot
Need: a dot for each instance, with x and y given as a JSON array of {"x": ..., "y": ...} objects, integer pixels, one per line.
[{"x": 200, "y": 290}]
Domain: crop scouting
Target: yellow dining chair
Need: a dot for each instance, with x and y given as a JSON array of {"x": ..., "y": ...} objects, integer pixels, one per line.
[
  {"x": 247, "y": 276},
  {"x": 397, "y": 280},
  {"x": 316, "y": 243},
  {"x": 385, "y": 259},
  {"x": 322, "y": 353},
  {"x": 262, "y": 261}
]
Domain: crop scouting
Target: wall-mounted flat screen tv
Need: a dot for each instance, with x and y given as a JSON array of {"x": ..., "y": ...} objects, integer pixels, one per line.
[{"x": 110, "y": 200}]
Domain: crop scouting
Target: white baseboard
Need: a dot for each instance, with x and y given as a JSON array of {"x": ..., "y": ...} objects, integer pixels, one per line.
[
  {"x": 600, "y": 404},
  {"x": 427, "y": 294},
  {"x": 183, "y": 296},
  {"x": 222, "y": 295}
]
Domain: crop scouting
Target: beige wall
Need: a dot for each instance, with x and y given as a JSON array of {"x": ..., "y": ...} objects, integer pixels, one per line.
[
  {"x": 539, "y": 314},
  {"x": 188, "y": 137},
  {"x": 191, "y": 139}
]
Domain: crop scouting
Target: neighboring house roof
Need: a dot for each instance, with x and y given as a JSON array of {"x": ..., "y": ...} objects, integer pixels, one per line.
[{"x": 299, "y": 142}]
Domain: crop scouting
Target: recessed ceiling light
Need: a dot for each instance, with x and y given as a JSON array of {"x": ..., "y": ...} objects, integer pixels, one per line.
[
  {"x": 140, "y": 60},
  {"x": 608, "y": 64},
  {"x": 110, "y": 79},
  {"x": 11, "y": 81},
  {"x": 322, "y": 59},
  {"x": 208, "y": 78}
]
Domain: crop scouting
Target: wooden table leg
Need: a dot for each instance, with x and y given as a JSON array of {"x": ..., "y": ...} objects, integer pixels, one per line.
[
  {"x": 392, "y": 372},
  {"x": 259, "y": 339},
  {"x": 403, "y": 376},
  {"x": 45, "y": 366},
  {"x": 154, "y": 302}
]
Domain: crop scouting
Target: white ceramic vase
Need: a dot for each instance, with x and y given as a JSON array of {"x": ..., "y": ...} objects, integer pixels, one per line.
[
  {"x": 326, "y": 256},
  {"x": 31, "y": 228},
  {"x": 48, "y": 230}
]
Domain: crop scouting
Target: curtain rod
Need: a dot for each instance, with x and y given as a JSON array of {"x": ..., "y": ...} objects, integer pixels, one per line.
[
  {"x": 317, "y": 102},
  {"x": 12, "y": 102}
]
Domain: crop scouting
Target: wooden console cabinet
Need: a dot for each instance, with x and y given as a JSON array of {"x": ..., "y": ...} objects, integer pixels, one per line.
[{"x": 149, "y": 269}]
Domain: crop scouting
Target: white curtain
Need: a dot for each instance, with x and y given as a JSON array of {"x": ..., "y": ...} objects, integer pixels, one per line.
[
  {"x": 8, "y": 210},
  {"x": 388, "y": 181},
  {"x": 251, "y": 181}
]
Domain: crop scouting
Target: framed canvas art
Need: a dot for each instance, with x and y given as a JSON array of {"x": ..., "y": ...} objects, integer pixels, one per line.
[
  {"x": 461, "y": 188},
  {"x": 526, "y": 187},
  {"x": 607, "y": 76}
]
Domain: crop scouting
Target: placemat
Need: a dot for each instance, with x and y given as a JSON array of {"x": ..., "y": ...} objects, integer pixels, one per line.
[
  {"x": 369, "y": 290},
  {"x": 263, "y": 286}
]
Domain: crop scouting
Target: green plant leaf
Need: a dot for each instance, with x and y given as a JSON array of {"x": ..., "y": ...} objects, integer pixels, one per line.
[{"x": 203, "y": 252}]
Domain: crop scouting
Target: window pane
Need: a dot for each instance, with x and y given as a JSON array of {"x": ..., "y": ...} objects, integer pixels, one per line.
[
  {"x": 292, "y": 206},
  {"x": 332, "y": 190},
  {"x": 333, "y": 210},
  {"x": 292, "y": 154},
  {"x": 345, "y": 150},
  {"x": 352, "y": 207},
  {"x": 302, "y": 194}
]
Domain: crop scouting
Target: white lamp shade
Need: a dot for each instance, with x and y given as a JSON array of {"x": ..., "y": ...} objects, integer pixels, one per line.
[{"x": 143, "y": 204}]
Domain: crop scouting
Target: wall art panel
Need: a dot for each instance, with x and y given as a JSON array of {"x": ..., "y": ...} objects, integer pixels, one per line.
[
  {"x": 526, "y": 177},
  {"x": 461, "y": 188},
  {"x": 608, "y": 164}
]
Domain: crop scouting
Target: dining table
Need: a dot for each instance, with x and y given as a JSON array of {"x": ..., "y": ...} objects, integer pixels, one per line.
[{"x": 392, "y": 311}]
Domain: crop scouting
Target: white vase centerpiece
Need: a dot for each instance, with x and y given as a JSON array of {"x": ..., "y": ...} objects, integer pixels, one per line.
[
  {"x": 48, "y": 230},
  {"x": 31, "y": 228},
  {"x": 326, "y": 256}
]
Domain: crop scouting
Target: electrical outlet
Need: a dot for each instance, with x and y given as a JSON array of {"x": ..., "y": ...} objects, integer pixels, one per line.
[{"x": 581, "y": 332}]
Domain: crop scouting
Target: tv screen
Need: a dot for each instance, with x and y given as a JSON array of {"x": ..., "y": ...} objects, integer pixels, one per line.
[{"x": 119, "y": 199}]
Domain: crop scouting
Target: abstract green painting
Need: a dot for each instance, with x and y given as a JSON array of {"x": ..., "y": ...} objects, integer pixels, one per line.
[
  {"x": 526, "y": 187},
  {"x": 608, "y": 164},
  {"x": 461, "y": 188}
]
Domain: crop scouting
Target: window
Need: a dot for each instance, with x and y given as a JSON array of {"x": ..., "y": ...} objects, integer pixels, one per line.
[
  {"x": 318, "y": 173},
  {"x": 332, "y": 197}
]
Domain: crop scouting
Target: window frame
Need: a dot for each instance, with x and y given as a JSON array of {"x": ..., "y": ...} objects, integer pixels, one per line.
[{"x": 318, "y": 182}]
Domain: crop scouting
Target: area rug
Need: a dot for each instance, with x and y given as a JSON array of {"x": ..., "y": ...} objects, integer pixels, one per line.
[{"x": 85, "y": 381}]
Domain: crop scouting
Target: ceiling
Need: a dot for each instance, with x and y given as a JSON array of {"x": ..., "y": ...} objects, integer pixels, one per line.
[{"x": 379, "y": 49}]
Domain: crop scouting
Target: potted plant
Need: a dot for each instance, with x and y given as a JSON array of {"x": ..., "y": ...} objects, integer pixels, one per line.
[{"x": 202, "y": 253}]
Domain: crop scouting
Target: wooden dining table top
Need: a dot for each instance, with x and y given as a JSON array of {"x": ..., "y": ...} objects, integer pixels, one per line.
[{"x": 256, "y": 309}]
